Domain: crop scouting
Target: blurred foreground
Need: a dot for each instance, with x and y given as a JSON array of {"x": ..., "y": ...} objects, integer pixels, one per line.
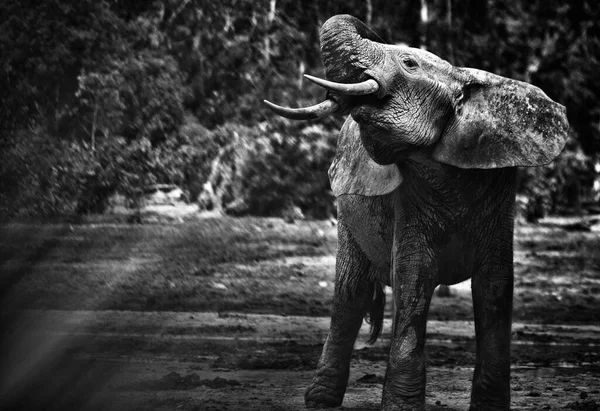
[{"x": 158, "y": 316}]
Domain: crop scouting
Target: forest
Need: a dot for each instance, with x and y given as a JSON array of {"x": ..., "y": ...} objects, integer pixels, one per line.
[{"x": 113, "y": 96}]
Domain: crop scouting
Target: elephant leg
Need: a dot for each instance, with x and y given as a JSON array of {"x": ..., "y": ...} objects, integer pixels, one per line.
[
  {"x": 413, "y": 282},
  {"x": 352, "y": 296},
  {"x": 492, "y": 301}
]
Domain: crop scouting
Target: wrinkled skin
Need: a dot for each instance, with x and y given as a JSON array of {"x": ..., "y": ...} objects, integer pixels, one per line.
[
  {"x": 425, "y": 179},
  {"x": 440, "y": 226}
]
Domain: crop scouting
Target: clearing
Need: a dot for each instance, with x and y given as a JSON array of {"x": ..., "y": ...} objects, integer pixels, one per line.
[{"x": 228, "y": 314}]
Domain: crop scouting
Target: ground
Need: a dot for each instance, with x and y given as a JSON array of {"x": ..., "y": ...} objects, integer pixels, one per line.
[{"x": 230, "y": 314}]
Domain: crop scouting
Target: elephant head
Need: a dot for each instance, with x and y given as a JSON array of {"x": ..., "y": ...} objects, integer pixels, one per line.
[{"x": 407, "y": 103}]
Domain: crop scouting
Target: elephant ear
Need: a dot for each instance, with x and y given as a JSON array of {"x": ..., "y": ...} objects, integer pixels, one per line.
[
  {"x": 354, "y": 172},
  {"x": 502, "y": 123}
]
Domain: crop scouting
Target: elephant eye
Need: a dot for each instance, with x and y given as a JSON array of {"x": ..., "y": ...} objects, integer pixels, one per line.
[{"x": 410, "y": 62}]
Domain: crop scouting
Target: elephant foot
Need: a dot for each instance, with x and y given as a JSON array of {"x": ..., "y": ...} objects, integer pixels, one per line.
[
  {"x": 492, "y": 396},
  {"x": 397, "y": 400},
  {"x": 320, "y": 394}
]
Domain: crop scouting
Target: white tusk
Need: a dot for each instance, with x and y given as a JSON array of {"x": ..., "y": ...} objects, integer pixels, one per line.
[
  {"x": 369, "y": 86},
  {"x": 305, "y": 113}
]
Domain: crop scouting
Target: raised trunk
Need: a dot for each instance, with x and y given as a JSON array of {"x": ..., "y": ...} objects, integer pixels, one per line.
[{"x": 348, "y": 48}]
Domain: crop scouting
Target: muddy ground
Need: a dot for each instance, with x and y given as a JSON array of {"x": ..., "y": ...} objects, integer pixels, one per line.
[{"x": 231, "y": 314}]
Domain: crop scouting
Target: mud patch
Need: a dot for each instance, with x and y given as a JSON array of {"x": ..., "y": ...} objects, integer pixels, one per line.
[
  {"x": 209, "y": 329},
  {"x": 176, "y": 381},
  {"x": 275, "y": 356},
  {"x": 133, "y": 364},
  {"x": 263, "y": 266},
  {"x": 191, "y": 360},
  {"x": 590, "y": 405}
]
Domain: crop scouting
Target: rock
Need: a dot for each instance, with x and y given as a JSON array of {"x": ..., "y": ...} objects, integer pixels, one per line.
[{"x": 219, "y": 286}]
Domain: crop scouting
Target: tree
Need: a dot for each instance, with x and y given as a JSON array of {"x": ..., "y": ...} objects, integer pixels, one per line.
[
  {"x": 169, "y": 82},
  {"x": 44, "y": 46}
]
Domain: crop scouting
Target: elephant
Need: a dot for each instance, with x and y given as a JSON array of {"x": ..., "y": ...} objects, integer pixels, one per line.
[{"x": 425, "y": 179}]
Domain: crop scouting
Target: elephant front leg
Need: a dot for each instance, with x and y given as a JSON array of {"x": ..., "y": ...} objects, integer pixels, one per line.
[
  {"x": 492, "y": 302},
  {"x": 413, "y": 282},
  {"x": 353, "y": 288}
]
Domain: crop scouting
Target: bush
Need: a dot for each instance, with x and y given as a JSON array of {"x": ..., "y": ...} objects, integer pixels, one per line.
[
  {"x": 267, "y": 168},
  {"x": 186, "y": 158},
  {"x": 555, "y": 188},
  {"x": 41, "y": 176},
  {"x": 118, "y": 166}
]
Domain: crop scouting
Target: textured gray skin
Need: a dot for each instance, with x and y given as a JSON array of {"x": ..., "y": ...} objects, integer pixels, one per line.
[{"x": 425, "y": 179}]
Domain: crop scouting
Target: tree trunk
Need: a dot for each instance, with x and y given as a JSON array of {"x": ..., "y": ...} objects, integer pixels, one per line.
[
  {"x": 212, "y": 194},
  {"x": 449, "y": 33},
  {"x": 301, "y": 71},
  {"x": 476, "y": 20},
  {"x": 423, "y": 26},
  {"x": 94, "y": 127},
  {"x": 369, "y": 16},
  {"x": 177, "y": 11},
  {"x": 267, "y": 40}
]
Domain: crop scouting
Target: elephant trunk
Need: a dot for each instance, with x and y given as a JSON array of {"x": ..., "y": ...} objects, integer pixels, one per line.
[{"x": 350, "y": 49}]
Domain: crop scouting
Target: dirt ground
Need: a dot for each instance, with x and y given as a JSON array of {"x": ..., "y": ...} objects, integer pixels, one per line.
[{"x": 231, "y": 314}]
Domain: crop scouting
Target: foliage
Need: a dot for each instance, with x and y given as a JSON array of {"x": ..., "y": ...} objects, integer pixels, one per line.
[
  {"x": 264, "y": 170},
  {"x": 111, "y": 95},
  {"x": 186, "y": 158},
  {"x": 139, "y": 97},
  {"x": 44, "y": 45},
  {"x": 289, "y": 169},
  {"x": 555, "y": 187},
  {"x": 41, "y": 176}
]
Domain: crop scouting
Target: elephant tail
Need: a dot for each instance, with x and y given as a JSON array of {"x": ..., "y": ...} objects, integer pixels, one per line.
[{"x": 376, "y": 308}]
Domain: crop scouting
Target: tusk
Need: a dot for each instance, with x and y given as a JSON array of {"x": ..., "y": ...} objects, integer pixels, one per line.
[
  {"x": 305, "y": 113},
  {"x": 354, "y": 89}
]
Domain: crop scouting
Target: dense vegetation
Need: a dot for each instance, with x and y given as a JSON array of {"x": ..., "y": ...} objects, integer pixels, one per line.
[{"x": 111, "y": 96}]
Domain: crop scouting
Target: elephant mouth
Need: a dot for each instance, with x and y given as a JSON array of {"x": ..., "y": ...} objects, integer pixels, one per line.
[
  {"x": 364, "y": 107},
  {"x": 341, "y": 97}
]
